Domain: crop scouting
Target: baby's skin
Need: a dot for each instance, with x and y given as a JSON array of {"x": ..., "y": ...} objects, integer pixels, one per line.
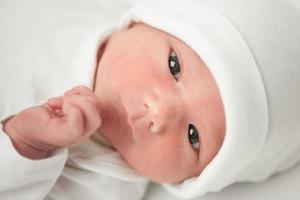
[{"x": 154, "y": 100}]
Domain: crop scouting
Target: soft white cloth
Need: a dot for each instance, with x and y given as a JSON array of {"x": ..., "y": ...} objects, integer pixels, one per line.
[
  {"x": 252, "y": 49},
  {"x": 48, "y": 47}
]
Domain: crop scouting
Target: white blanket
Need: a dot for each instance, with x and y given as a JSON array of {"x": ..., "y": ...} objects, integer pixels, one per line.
[{"x": 281, "y": 186}]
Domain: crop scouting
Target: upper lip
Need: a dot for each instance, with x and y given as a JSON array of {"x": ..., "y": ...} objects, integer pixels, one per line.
[{"x": 136, "y": 114}]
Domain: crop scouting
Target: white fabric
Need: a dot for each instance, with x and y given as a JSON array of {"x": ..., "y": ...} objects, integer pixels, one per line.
[
  {"x": 281, "y": 186},
  {"x": 48, "y": 47},
  {"x": 252, "y": 49},
  {"x": 21, "y": 178}
]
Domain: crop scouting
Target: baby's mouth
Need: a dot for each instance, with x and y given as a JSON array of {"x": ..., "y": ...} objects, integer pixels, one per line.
[
  {"x": 113, "y": 112},
  {"x": 135, "y": 112},
  {"x": 124, "y": 116},
  {"x": 135, "y": 115}
]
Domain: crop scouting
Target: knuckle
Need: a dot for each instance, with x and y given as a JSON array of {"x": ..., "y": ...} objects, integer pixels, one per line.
[
  {"x": 92, "y": 100},
  {"x": 83, "y": 88},
  {"x": 67, "y": 101}
]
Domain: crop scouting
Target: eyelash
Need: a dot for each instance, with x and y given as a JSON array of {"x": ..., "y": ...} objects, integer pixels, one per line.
[{"x": 174, "y": 64}]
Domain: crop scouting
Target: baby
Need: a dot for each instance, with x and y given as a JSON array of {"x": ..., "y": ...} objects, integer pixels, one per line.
[
  {"x": 146, "y": 103},
  {"x": 195, "y": 95}
]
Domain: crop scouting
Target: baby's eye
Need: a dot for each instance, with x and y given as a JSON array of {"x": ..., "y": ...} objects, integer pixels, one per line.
[
  {"x": 174, "y": 65},
  {"x": 194, "y": 137}
]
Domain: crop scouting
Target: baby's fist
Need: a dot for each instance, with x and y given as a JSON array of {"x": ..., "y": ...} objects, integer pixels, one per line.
[{"x": 61, "y": 122}]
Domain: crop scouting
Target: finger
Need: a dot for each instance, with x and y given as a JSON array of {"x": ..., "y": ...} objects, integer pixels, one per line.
[
  {"x": 55, "y": 102},
  {"x": 83, "y": 90},
  {"x": 74, "y": 121},
  {"x": 59, "y": 112},
  {"x": 80, "y": 90},
  {"x": 90, "y": 113},
  {"x": 49, "y": 109}
]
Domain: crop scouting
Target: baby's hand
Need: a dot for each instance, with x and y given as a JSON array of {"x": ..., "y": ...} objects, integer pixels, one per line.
[{"x": 61, "y": 122}]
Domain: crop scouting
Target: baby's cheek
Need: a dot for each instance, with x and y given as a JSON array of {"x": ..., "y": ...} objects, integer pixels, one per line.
[{"x": 160, "y": 162}]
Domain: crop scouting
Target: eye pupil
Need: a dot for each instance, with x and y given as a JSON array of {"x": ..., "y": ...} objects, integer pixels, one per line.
[
  {"x": 174, "y": 65},
  {"x": 191, "y": 131},
  {"x": 193, "y": 137}
]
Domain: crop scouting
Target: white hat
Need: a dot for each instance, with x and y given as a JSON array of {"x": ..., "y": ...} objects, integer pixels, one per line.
[{"x": 251, "y": 49}]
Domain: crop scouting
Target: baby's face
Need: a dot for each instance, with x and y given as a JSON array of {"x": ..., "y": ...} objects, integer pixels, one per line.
[{"x": 161, "y": 108}]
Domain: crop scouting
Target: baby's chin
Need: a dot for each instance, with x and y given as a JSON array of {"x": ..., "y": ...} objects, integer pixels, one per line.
[
  {"x": 170, "y": 179},
  {"x": 175, "y": 179},
  {"x": 154, "y": 173}
]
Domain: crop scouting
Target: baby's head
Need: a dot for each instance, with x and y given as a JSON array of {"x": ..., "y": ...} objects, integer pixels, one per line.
[
  {"x": 169, "y": 120},
  {"x": 170, "y": 92}
]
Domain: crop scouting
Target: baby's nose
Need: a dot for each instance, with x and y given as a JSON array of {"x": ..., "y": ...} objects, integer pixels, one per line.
[{"x": 163, "y": 111}]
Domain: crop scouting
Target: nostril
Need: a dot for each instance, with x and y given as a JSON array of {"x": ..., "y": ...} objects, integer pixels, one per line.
[
  {"x": 151, "y": 124},
  {"x": 146, "y": 105},
  {"x": 152, "y": 127}
]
